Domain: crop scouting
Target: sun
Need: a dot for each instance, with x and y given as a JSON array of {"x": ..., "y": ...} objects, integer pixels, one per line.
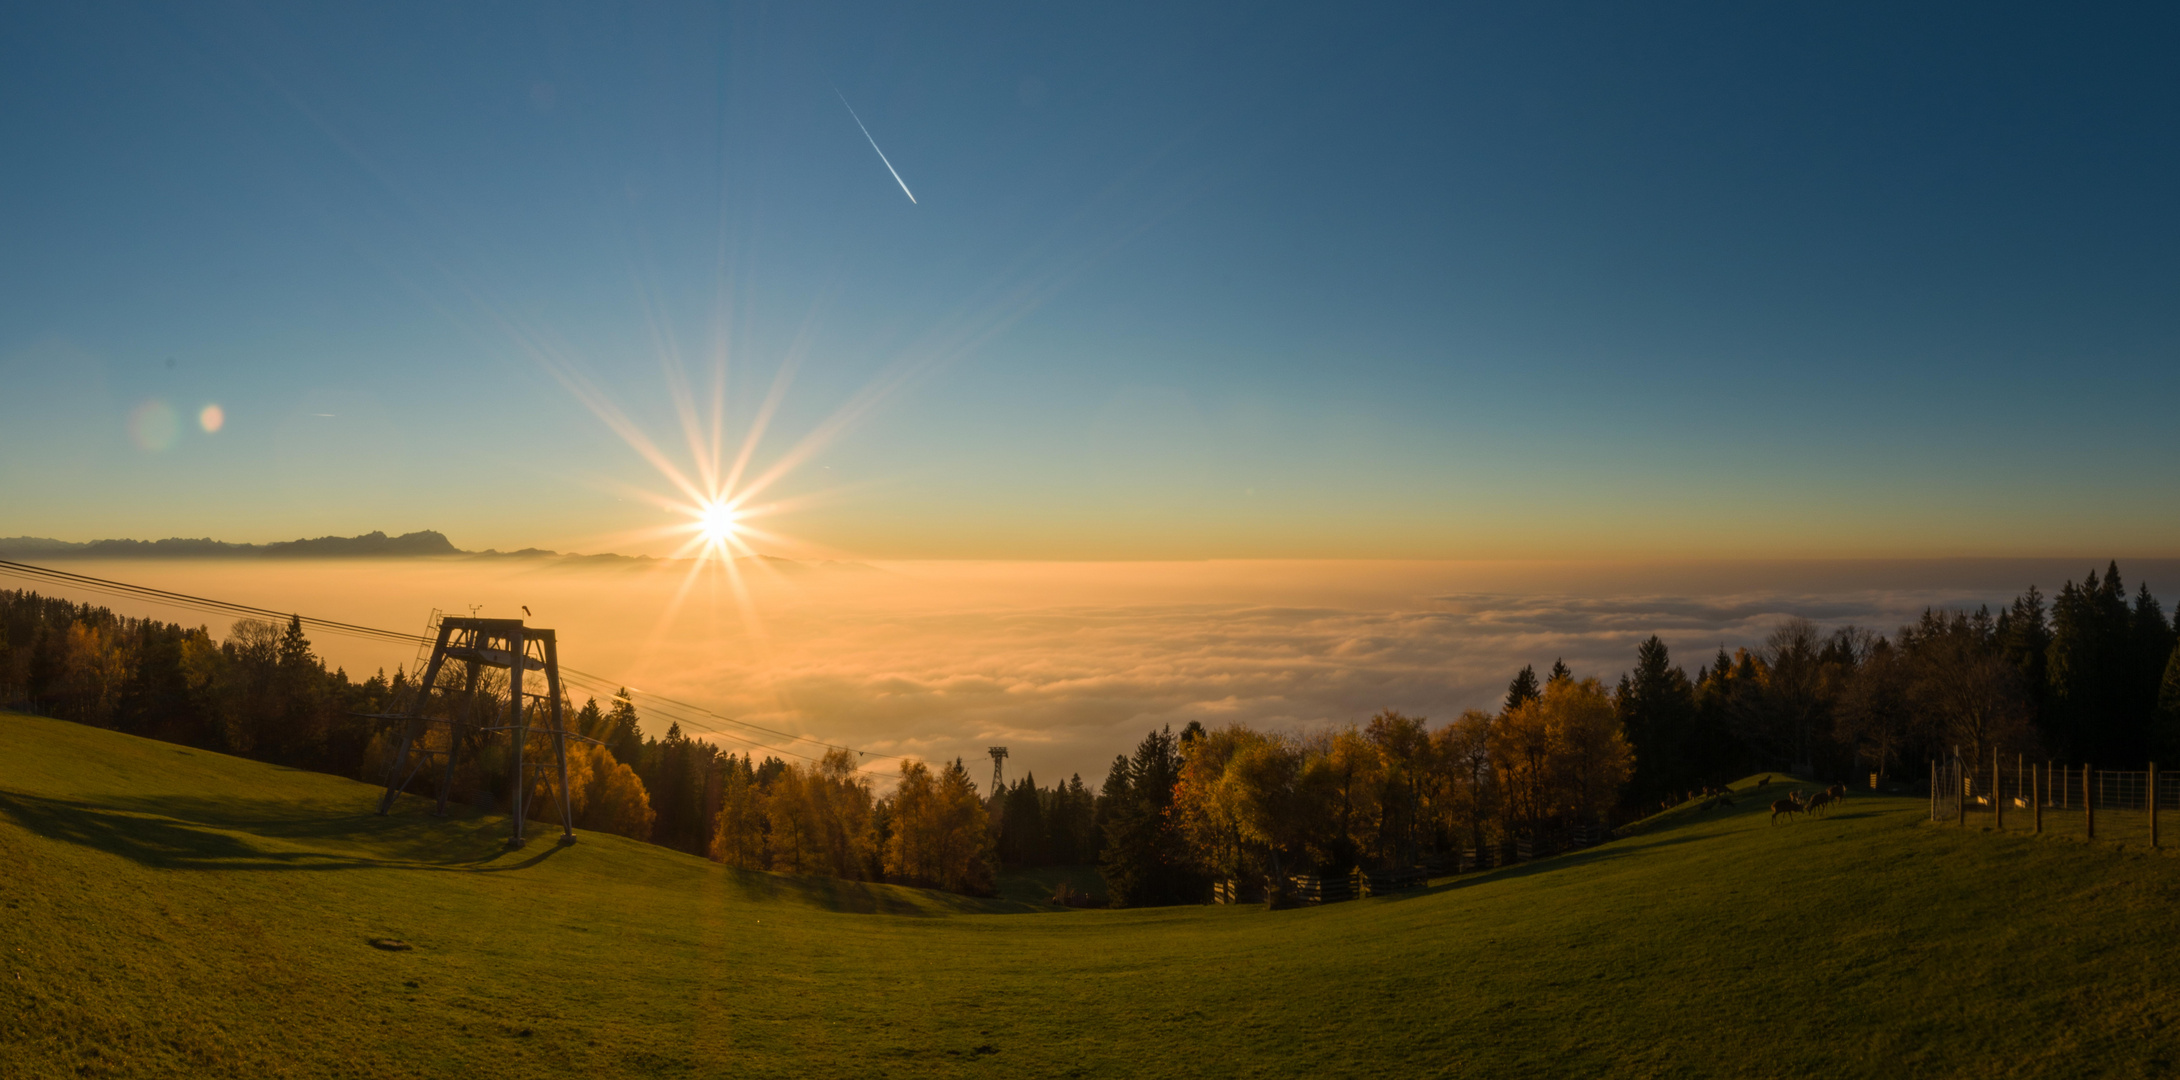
[{"x": 718, "y": 523}]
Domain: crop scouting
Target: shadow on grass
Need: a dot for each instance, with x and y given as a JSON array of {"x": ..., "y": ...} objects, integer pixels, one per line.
[
  {"x": 1659, "y": 834},
  {"x": 190, "y": 833},
  {"x": 863, "y": 898}
]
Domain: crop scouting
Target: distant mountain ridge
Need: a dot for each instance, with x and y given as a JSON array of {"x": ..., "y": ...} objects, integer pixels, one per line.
[
  {"x": 424, "y": 544},
  {"x": 371, "y": 545}
]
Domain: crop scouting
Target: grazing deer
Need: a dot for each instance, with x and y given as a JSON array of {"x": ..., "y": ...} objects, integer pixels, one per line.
[
  {"x": 1784, "y": 806},
  {"x": 1838, "y": 792},
  {"x": 1818, "y": 801}
]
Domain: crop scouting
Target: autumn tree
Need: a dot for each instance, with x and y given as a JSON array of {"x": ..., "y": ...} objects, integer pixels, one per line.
[{"x": 941, "y": 836}]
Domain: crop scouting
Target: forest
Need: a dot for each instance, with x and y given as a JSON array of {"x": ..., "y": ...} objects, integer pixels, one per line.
[{"x": 2092, "y": 676}]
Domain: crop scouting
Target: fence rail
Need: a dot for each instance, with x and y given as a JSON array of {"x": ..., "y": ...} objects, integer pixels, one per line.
[{"x": 2021, "y": 795}]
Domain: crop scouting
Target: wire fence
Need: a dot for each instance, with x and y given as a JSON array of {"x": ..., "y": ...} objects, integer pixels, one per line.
[{"x": 2118, "y": 805}]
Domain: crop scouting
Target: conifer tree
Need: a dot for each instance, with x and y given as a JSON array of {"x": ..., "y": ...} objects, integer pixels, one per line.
[
  {"x": 1146, "y": 860},
  {"x": 624, "y": 737},
  {"x": 2165, "y": 724},
  {"x": 590, "y": 721},
  {"x": 2150, "y": 646},
  {"x": 1656, "y": 705},
  {"x": 1522, "y": 690},
  {"x": 2024, "y": 639},
  {"x": 1022, "y": 835}
]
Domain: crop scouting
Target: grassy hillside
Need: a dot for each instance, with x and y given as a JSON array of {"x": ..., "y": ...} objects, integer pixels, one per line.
[{"x": 165, "y": 911}]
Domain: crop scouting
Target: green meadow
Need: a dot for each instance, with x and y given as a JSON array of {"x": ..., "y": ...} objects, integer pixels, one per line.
[{"x": 172, "y": 912}]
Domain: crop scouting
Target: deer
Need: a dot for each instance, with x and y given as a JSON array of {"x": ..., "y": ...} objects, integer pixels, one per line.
[
  {"x": 1818, "y": 801},
  {"x": 1785, "y": 806},
  {"x": 1838, "y": 792}
]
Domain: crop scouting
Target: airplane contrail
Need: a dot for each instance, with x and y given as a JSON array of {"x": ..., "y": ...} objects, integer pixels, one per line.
[{"x": 874, "y": 145}]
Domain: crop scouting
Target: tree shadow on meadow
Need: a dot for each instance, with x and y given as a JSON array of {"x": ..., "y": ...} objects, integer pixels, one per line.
[
  {"x": 865, "y": 898},
  {"x": 1673, "y": 831},
  {"x": 183, "y": 832}
]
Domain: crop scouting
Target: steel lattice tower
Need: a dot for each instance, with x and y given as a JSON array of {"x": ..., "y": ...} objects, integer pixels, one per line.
[{"x": 479, "y": 644}]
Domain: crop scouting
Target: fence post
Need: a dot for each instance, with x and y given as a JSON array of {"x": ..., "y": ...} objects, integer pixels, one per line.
[
  {"x": 2041, "y": 782},
  {"x": 2153, "y": 804},
  {"x": 1933, "y": 789},
  {"x": 2089, "y": 805},
  {"x": 1998, "y": 801}
]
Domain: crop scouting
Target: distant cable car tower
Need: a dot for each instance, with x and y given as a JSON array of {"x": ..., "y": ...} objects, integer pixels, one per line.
[
  {"x": 999, "y": 760},
  {"x": 478, "y": 644}
]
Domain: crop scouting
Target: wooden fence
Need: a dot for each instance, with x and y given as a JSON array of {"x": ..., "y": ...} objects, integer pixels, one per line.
[{"x": 2079, "y": 800}]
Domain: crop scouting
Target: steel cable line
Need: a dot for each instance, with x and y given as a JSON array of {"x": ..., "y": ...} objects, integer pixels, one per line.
[{"x": 589, "y": 681}]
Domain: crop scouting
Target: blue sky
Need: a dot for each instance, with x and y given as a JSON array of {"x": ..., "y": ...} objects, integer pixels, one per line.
[{"x": 1432, "y": 282}]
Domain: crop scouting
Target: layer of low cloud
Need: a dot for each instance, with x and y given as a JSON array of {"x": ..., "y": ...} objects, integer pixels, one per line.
[{"x": 1070, "y": 664}]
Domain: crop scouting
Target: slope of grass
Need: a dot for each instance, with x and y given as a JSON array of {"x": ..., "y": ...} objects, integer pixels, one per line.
[{"x": 169, "y": 912}]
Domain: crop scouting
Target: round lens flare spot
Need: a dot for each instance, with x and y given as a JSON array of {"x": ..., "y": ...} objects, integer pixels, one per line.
[
  {"x": 153, "y": 425},
  {"x": 718, "y": 523},
  {"x": 212, "y": 419}
]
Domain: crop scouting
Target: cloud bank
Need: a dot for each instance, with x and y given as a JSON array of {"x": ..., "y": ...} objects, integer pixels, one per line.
[{"x": 1069, "y": 664}]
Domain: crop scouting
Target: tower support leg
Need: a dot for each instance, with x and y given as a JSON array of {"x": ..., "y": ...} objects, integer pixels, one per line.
[
  {"x": 454, "y": 736},
  {"x": 397, "y": 777},
  {"x": 518, "y": 646},
  {"x": 560, "y": 739}
]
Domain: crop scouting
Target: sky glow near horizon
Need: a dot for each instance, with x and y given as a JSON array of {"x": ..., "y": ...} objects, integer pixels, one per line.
[{"x": 1439, "y": 283}]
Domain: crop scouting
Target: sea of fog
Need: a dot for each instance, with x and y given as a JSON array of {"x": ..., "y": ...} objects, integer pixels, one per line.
[{"x": 1070, "y": 663}]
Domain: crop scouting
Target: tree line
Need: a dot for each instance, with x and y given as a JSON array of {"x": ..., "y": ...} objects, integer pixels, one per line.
[
  {"x": 263, "y": 693},
  {"x": 1235, "y": 803},
  {"x": 2092, "y": 676}
]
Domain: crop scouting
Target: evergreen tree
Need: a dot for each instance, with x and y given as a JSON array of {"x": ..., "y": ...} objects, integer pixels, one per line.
[
  {"x": 1522, "y": 690},
  {"x": 677, "y": 780},
  {"x": 769, "y": 771},
  {"x": 1023, "y": 839},
  {"x": 2165, "y": 724},
  {"x": 2150, "y": 646},
  {"x": 1071, "y": 823},
  {"x": 2024, "y": 639},
  {"x": 1146, "y": 859},
  {"x": 590, "y": 721},
  {"x": 624, "y": 737},
  {"x": 300, "y": 707},
  {"x": 1559, "y": 672},
  {"x": 2088, "y": 667},
  {"x": 1657, "y": 706}
]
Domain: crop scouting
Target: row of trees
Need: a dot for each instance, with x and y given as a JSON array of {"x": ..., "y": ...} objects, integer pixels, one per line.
[
  {"x": 262, "y": 693},
  {"x": 2093, "y": 677},
  {"x": 1238, "y": 803},
  {"x": 932, "y": 830}
]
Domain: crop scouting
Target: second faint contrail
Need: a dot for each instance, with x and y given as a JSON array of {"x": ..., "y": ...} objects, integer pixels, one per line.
[{"x": 874, "y": 145}]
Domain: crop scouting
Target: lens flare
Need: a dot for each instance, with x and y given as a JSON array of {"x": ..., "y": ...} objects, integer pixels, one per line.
[
  {"x": 212, "y": 419},
  {"x": 153, "y": 425}
]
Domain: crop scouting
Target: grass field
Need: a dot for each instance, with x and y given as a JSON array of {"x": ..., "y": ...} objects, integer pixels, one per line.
[{"x": 170, "y": 912}]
